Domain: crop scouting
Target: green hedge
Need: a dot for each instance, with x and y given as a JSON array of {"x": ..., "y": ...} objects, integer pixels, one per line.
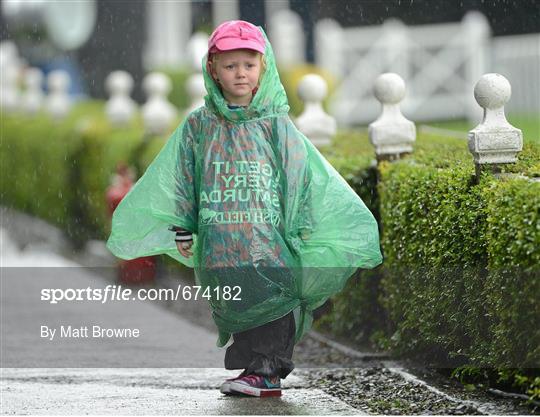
[
  {"x": 60, "y": 171},
  {"x": 447, "y": 243},
  {"x": 36, "y": 163},
  {"x": 459, "y": 283}
]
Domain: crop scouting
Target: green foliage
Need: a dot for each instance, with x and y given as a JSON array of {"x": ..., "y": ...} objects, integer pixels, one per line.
[
  {"x": 463, "y": 261},
  {"x": 459, "y": 284},
  {"x": 521, "y": 380},
  {"x": 513, "y": 286},
  {"x": 102, "y": 147},
  {"x": 36, "y": 162},
  {"x": 59, "y": 171},
  {"x": 361, "y": 290}
]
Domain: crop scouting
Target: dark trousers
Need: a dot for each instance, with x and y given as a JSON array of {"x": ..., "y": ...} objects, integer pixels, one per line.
[{"x": 265, "y": 350}]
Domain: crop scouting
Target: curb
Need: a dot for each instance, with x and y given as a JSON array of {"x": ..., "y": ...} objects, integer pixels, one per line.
[{"x": 395, "y": 368}]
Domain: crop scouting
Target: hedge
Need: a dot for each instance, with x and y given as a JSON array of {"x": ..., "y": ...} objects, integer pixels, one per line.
[
  {"x": 36, "y": 159},
  {"x": 459, "y": 285},
  {"x": 59, "y": 171}
]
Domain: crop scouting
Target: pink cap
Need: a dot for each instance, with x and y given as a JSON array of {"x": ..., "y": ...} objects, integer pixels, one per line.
[{"x": 236, "y": 34}]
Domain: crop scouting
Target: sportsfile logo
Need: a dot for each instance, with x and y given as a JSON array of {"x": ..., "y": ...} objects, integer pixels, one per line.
[
  {"x": 109, "y": 293},
  {"x": 117, "y": 293}
]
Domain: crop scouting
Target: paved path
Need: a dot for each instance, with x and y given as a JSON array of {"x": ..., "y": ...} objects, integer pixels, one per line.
[
  {"x": 174, "y": 367},
  {"x": 150, "y": 391}
]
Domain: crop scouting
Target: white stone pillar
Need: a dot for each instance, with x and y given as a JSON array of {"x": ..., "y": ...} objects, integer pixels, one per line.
[
  {"x": 314, "y": 122},
  {"x": 10, "y": 65},
  {"x": 32, "y": 99},
  {"x": 120, "y": 107},
  {"x": 223, "y": 10},
  {"x": 158, "y": 113},
  {"x": 197, "y": 48},
  {"x": 273, "y": 6},
  {"x": 494, "y": 141},
  {"x": 286, "y": 34},
  {"x": 168, "y": 32},
  {"x": 329, "y": 47},
  {"x": 58, "y": 102},
  {"x": 391, "y": 134},
  {"x": 477, "y": 32}
]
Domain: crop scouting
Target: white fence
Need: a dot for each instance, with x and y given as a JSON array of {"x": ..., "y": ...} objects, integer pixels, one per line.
[
  {"x": 439, "y": 62},
  {"x": 518, "y": 59}
]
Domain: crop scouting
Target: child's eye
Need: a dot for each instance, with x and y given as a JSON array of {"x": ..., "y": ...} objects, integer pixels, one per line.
[{"x": 229, "y": 67}]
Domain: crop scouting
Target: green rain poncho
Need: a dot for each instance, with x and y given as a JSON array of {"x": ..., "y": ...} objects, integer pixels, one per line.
[{"x": 271, "y": 218}]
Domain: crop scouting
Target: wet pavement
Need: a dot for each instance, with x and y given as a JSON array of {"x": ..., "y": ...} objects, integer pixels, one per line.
[
  {"x": 153, "y": 391},
  {"x": 112, "y": 389},
  {"x": 327, "y": 380}
]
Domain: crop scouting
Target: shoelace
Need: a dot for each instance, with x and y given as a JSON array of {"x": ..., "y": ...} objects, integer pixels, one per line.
[
  {"x": 257, "y": 379},
  {"x": 252, "y": 379}
]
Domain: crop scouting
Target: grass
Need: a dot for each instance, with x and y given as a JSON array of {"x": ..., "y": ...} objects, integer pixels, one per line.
[{"x": 528, "y": 123}]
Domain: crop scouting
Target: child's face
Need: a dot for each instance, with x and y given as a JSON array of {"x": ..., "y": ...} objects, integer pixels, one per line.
[{"x": 238, "y": 73}]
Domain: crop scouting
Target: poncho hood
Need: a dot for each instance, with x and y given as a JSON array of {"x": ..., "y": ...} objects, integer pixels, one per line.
[{"x": 270, "y": 98}]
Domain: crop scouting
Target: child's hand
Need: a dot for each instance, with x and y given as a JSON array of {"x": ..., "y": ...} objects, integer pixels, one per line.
[
  {"x": 184, "y": 248},
  {"x": 305, "y": 234}
]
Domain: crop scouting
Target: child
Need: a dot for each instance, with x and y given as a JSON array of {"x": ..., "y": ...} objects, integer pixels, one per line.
[{"x": 270, "y": 227}]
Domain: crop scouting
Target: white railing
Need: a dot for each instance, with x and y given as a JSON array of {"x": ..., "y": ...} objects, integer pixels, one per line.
[
  {"x": 517, "y": 57},
  {"x": 440, "y": 64}
]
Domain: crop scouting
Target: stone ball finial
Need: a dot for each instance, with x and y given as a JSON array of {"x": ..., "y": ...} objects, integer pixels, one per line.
[
  {"x": 157, "y": 83},
  {"x": 196, "y": 91},
  {"x": 494, "y": 141},
  {"x": 312, "y": 87},
  {"x": 32, "y": 98},
  {"x": 58, "y": 101},
  {"x": 389, "y": 88},
  {"x": 8, "y": 53},
  {"x": 492, "y": 91},
  {"x": 392, "y": 134},
  {"x": 314, "y": 122},
  {"x": 195, "y": 86},
  {"x": 58, "y": 80},
  {"x": 120, "y": 108},
  {"x": 197, "y": 48},
  {"x": 157, "y": 112},
  {"x": 33, "y": 77},
  {"x": 119, "y": 82}
]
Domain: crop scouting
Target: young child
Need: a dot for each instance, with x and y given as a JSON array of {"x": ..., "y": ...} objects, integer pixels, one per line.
[{"x": 239, "y": 194}]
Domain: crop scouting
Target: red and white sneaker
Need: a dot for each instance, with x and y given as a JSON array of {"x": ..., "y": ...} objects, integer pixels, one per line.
[
  {"x": 257, "y": 386},
  {"x": 226, "y": 386}
]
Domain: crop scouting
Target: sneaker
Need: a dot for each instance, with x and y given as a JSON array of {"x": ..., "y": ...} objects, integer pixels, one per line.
[
  {"x": 226, "y": 386},
  {"x": 257, "y": 386}
]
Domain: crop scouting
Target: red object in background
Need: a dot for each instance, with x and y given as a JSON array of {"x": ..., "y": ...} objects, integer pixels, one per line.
[
  {"x": 121, "y": 183},
  {"x": 138, "y": 270}
]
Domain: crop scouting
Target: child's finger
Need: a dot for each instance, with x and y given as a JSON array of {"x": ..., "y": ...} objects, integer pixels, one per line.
[{"x": 186, "y": 253}]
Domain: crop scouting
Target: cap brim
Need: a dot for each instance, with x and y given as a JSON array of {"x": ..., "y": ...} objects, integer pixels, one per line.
[{"x": 230, "y": 44}]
